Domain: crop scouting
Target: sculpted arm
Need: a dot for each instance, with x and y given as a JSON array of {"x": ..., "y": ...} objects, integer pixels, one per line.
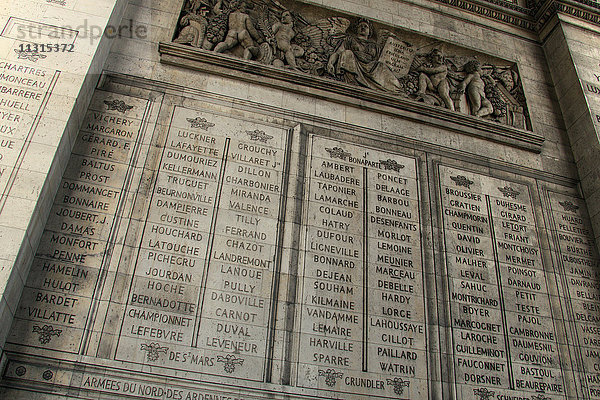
[
  {"x": 463, "y": 85},
  {"x": 252, "y": 30},
  {"x": 276, "y": 26},
  {"x": 334, "y": 58},
  {"x": 217, "y": 7}
]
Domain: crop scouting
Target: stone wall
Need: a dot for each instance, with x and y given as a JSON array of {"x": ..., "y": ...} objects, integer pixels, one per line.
[
  {"x": 226, "y": 230},
  {"x": 45, "y": 91}
]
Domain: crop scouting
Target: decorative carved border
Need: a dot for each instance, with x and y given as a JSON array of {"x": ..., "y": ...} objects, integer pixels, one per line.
[
  {"x": 579, "y": 11},
  {"x": 505, "y": 12},
  {"x": 533, "y": 17},
  {"x": 513, "y": 6},
  {"x": 258, "y": 73}
]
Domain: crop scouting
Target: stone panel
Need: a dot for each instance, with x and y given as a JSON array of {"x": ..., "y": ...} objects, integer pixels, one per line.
[
  {"x": 207, "y": 248},
  {"x": 201, "y": 294},
  {"x": 362, "y": 322},
  {"x": 503, "y": 333},
  {"x": 578, "y": 262},
  {"x": 297, "y": 211},
  {"x": 75, "y": 248},
  {"x": 210, "y": 285}
]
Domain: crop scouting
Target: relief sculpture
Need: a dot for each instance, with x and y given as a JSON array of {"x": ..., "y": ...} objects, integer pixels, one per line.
[
  {"x": 355, "y": 51},
  {"x": 433, "y": 78}
]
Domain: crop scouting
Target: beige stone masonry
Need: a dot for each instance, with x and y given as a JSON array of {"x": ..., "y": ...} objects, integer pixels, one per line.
[
  {"x": 572, "y": 51},
  {"x": 43, "y": 97}
]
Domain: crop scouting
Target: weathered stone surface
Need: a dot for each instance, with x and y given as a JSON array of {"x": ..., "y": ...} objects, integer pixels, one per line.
[
  {"x": 354, "y": 51},
  {"x": 362, "y": 311},
  {"x": 277, "y": 220},
  {"x": 504, "y": 334}
]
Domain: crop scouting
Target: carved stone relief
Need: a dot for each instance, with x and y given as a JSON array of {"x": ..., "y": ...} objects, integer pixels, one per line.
[
  {"x": 251, "y": 258},
  {"x": 359, "y": 52}
]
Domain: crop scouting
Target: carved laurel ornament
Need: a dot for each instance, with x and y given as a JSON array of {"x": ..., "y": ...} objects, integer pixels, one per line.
[
  {"x": 539, "y": 397},
  {"x": 32, "y": 56},
  {"x": 483, "y": 393},
  {"x": 331, "y": 376},
  {"x": 200, "y": 123},
  {"x": 390, "y": 164},
  {"x": 229, "y": 362},
  {"x": 509, "y": 192},
  {"x": 338, "y": 152},
  {"x": 355, "y": 51},
  {"x": 461, "y": 180},
  {"x": 153, "y": 351},
  {"x": 259, "y": 135},
  {"x": 399, "y": 384},
  {"x": 46, "y": 333},
  {"x": 569, "y": 206},
  {"x": 117, "y": 105}
]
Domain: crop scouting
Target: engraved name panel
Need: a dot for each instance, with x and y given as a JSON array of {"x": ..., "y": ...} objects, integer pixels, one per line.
[
  {"x": 24, "y": 93},
  {"x": 201, "y": 293},
  {"x": 578, "y": 262},
  {"x": 504, "y": 341},
  {"x": 73, "y": 255},
  {"x": 361, "y": 313}
]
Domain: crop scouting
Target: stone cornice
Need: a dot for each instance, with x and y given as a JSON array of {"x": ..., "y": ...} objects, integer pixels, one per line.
[
  {"x": 314, "y": 86},
  {"x": 532, "y": 18},
  {"x": 496, "y": 9}
]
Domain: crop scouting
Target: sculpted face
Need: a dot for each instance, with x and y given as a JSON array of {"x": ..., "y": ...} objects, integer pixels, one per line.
[
  {"x": 472, "y": 67},
  {"x": 286, "y": 17},
  {"x": 508, "y": 80},
  {"x": 363, "y": 29},
  {"x": 238, "y": 5}
]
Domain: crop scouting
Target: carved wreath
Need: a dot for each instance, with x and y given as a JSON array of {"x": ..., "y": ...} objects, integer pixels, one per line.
[
  {"x": 331, "y": 376},
  {"x": 153, "y": 351},
  {"x": 229, "y": 362}
]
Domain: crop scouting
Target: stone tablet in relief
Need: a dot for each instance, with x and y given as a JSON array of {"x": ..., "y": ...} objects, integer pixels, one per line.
[
  {"x": 398, "y": 55},
  {"x": 578, "y": 262},
  {"x": 73, "y": 253},
  {"x": 24, "y": 92},
  {"x": 201, "y": 293},
  {"x": 361, "y": 313},
  {"x": 504, "y": 340}
]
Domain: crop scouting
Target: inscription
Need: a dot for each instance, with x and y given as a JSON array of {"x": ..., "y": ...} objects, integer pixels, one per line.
[
  {"x": 202, "y": 282},
  {"x": 69, "y": 261},
  {"x": 23, "y": 90},
  {"x": 362, "y": 318},
  {"x": 502, "y": 328},
  {"x": 578, "y": 261}
]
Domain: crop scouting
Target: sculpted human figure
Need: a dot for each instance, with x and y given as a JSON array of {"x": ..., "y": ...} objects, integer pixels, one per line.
[
  {"x": 195, "y": 24},
  {"x": 284, "y": 33},
  {"x": 357, "y": 60},
  {"x": 194, "y": 31},
  {"x": 240, "y": 31},
  {"x": 355, "y": 54},
  {"x": 434, "y": 77},
  {"x": 475, "y": 90}
]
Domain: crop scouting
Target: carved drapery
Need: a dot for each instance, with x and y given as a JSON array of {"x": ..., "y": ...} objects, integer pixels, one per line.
[{"x": 358, "y": 52}]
